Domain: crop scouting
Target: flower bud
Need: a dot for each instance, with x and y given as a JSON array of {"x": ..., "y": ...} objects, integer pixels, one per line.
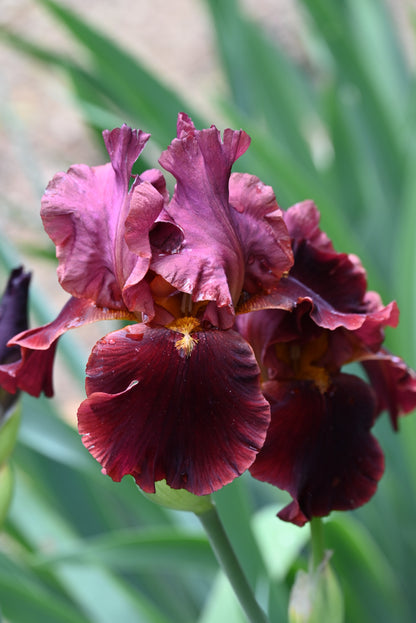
[
  {"x": 13, "y": 320},
  {"x": 13, "y": 313},
  {"x": 179, "y": 499},
  {"x": 316, "y": 596}
]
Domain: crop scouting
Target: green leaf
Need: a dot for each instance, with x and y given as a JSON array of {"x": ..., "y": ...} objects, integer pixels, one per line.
[
  {"x": 101, "y": 595},
  {"x": 123, "y": 80},
  {"x": 335, "y": 23},
  {"x": 404, "y": 253},
  {"x": 265, "y": 84},
  {"x": 137, "y": 550},
  {"x": 24, "y": 598},
  {"x": 280, "y": 542},
  {"x": 370, "y": 585},
  {"x": 222, "y": 604}
]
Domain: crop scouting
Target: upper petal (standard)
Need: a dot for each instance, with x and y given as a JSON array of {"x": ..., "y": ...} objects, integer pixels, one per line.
[{"x": 84, "y": 211}]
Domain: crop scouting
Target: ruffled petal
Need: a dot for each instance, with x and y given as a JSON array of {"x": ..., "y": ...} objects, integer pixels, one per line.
[
  {"x": 302, "y": 221},
  {"x": 32, "y": 373},
  {"x": 394, "y": 384},
  {"x": 84, "y": 211},
  {"x": 295, "y": 291},
  {"x": 210, "y": 264},
  {"x": 159, "y": 407},
  {"x": 264, "y": 237},
  {"x": 319, "y": 447}
]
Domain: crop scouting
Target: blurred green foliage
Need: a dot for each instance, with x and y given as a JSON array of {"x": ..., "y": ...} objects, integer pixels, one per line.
[{"x": 338, "y": 128}]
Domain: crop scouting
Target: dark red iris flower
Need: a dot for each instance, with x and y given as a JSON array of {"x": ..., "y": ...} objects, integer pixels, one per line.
[
  {"x": 176, "y": 395},
  {"x": 319, "y": 446}
]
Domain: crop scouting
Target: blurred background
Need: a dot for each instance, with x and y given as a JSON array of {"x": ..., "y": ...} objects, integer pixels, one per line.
[{"x": 327, "y": 92}]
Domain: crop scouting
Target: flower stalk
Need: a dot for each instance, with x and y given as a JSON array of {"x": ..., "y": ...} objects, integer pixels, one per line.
[
  {"x": 230, "y": 565},
  {"x": 317, "y": 542}
]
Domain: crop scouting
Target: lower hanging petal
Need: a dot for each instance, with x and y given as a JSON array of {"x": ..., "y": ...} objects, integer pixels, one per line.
[
  {"x": 32, "y": 373},
  {"x": 187, "y": 409},
  {"x": 319, "y": 447}
]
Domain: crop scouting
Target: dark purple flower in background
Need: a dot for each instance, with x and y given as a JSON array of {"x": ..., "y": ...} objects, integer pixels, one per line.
[
  {"x": 13, "y": 319},
  {"x": 13, "y": 312}
]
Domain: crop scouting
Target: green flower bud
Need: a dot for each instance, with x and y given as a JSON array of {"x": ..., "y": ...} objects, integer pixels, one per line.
[
  {"x": 179, "y": 499},
  {"x": 316, "y": 597}
]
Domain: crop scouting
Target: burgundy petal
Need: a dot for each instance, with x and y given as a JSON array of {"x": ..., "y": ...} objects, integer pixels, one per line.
[
  {"x": 210, "y": 264},
  {"x": 32, "y": 373},
  {"x": 319, "y": 447},
  {"x": 302, "y": 220},
  {"x": 394, "y": 384},
  {"x": 192, "y": 414},
  {"x": 84, "y": 211},
  {"x": 332, "y": 284},
  {"x": 263, "y": 328},
  {"x": 294, "y": 291}
]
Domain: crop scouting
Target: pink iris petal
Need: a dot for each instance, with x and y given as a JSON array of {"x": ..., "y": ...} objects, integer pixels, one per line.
[
  {"x": 84, "y": 211},
  {"x": 210, "y": 264},
  {"x": 155, "y": 413},
  {"x": 394, "y": 383},
  {"x": 32, "y": 373},
  {"x": 302, "y": 220},
  {"x": 319, "y": 447},
  {"x": 165, "y": 235},
  {"x": 265, "y": 240}
]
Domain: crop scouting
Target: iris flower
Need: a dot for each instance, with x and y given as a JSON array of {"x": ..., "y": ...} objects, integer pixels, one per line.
[
  {"x": 319, "y": 446},
  {"x": 216, "y": 287},
  {"x": 176, "y": 393}
]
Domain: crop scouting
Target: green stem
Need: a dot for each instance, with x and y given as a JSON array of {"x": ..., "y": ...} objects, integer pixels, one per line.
[
  {"x": 317, "y": 541},
  {"x": 230, "y": 565}
]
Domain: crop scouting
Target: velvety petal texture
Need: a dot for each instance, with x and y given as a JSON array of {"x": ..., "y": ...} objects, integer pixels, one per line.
[
  {"x": 194, "y": 416},
  {"x": 225, "y": 248},
  {"x": 84, "y": 213},
  {"x": 319, "y": 447}
]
